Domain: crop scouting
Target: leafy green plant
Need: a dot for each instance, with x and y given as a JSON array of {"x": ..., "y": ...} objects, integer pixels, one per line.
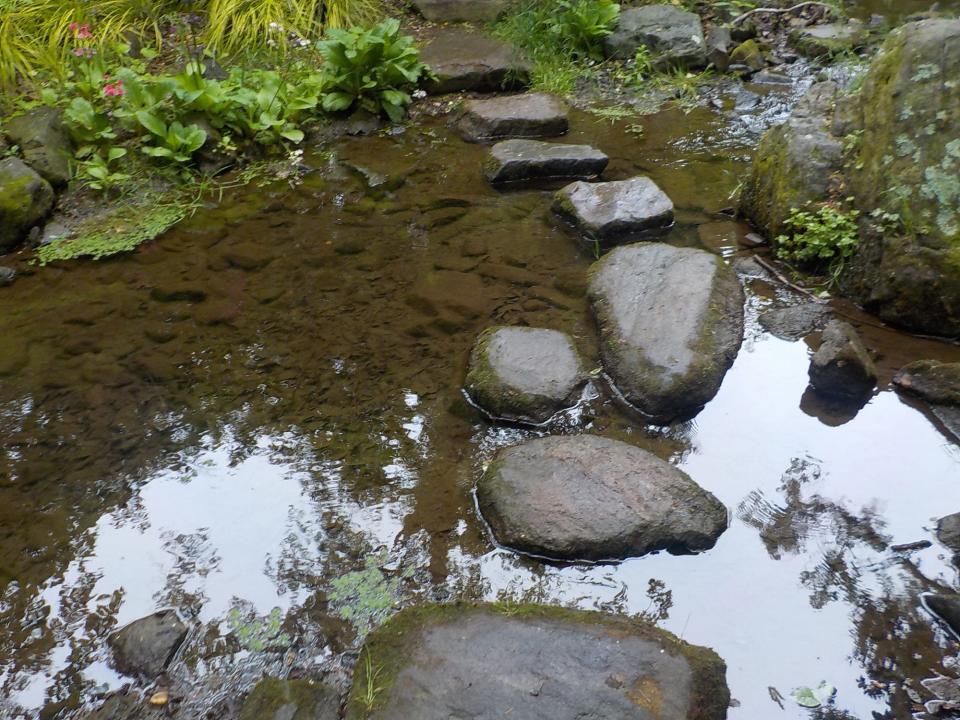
[
  {"x": 96, "y": 171},
  {"x": 87, "y": 125},
  {"x": 583, "y": 24},
  {"x": 826, "y": 237},
  {"x": 373, "y": 68},
  {"x": 174, "y": 141}
]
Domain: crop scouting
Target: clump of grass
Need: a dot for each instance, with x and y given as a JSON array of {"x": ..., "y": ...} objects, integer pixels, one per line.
[{"x": 371, "y": 686}]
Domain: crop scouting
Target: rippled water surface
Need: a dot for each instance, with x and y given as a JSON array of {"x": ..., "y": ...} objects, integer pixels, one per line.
[{"x": 263, "y": 408}]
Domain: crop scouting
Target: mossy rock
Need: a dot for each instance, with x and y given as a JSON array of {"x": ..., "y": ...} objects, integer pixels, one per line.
[
  {"x": 44, "y": 143},
  {"x": 25, "y": 200},
  {"x": 439, "y": 661},
  {"x": 748, "y": 53},
  {"x": 276, "y": 699},
  {"x": 907, "y": 165},
  {"x": 829, "y": 40}
]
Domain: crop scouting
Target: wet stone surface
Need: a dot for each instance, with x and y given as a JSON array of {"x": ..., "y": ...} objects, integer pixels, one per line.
[
  {"x": 592, "y": 498},
  {"x": 463, "y": 60},
  {"x": 144, "y": 647},
  {"x": 478, "y": 11},
  {"x": 842, "y": 366},
  {"x": 616, "y": 211},
  {"x": 673, "y": 36},
  {"x": 524, "y": 374},
  {"x": 795, "y": 322},
  {"x": 276, "y": 699},
  {"x": 540, "y": 663},
  {"x": 530, "y": 115},
  {"x": 518, "y": 161}
]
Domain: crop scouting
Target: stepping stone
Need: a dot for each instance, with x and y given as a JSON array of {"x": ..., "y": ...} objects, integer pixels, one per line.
[
  {"x": 586, "y": 497},
  {"x": 796, "y": 321},
  {"x": 830, "y": 39},
  {"x": 531, "y": 115},
  {"x": 842, "y": 367},
  {"x": 477, "y": 11},
  {"x": 464, "y": 60},
  {"x": 524, "y": 374},
  {"x": 936, "y": 382},
  {"x": 619, "y": 210},
  {"x": 671, "y": 324},
  {"x": 530, "y": 662},
  {"x": 530, "y": 160},
  {"x": 146, "y": 646},
  {"x": 673, "y": 36}
]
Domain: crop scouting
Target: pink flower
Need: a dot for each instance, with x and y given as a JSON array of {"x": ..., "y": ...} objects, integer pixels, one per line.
[
  {"x": 79, "y": 52},
  {"x": 83, "y": 33},
  {"x": 114, "y": 89},
  {"x": 73, "y": 27}
]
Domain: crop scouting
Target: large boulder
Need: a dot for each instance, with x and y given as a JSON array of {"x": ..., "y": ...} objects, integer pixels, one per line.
[
  {"x": 276, "y": 699},
  {"x": 25, "y": 200},
  {"x": 794, "y": 162},
  {"x": 524, "y": 374},
  {"x": 948, "y": 531},
  {"x": 145, "y": 647},
  {"x": 590, "y": 498},
  {"x": 476, "y": 11},
  {"x": 842, "y": 366},
  {"x": 533, "y": 662},
  {"x": 907, "y": 164},
  {"x": 530, "y": 115},
  {"x": 44, "y": 143},
  {"x": 618, "y": 210},
  {"x": 513, "y": 161},
  {"x": 673, "y": 36},
  {"x": 829, "y": 39},
  {"x": 463, "y": 60},
  {"x": 671, "y": 323}
]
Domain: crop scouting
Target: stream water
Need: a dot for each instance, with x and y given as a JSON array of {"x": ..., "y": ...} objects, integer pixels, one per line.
[{"x": 261, "y": 414}]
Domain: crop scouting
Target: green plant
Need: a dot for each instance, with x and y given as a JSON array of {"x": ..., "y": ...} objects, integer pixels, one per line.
[
  {"x": 95, "y": 172},
  {"x": 822, "y": 238},
  {"x": 371, "y": 686},
  {"x": 174, "y": 141},
  {"x": 372, "y": 68},
  {"x": 583, "y": 24},
  {"x": 87, "y": 125}
]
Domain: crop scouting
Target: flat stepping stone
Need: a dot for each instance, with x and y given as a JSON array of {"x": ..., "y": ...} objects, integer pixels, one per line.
[
  {"x": 531, "y": 160},
  {"x": 671, "y": 324},
  {"x": 477, "y": 11},
  {"x": 534, "y": 663},
  {"x": 464, "y": 60},
  {"x": 673, "y": 36},
  {"x": 531, "y": 115},
  {"x": 524, "y": 374},
  {"x": 616, "y": 211},
  {"x": 589, "y": 498}
]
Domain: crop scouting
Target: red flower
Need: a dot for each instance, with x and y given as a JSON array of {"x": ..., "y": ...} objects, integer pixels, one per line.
[
  {"x": 114, "y": 89},
  {"x": 83, "y": 33}
]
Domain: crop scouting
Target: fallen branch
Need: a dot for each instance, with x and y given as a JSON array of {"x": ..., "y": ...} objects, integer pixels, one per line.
[
  {"x": 782, "y": 278},
  {"x": 780, "y": 11}
]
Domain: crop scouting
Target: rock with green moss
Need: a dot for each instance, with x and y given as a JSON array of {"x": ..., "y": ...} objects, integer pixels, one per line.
[
  {"x": 25, "y": 200},
  {"x": 671, "y": 323},
  {"x": 830, "y": 39},
  {"x": 748, "y": 53},
  {"x": 524, "y": 374},
  {"x": 591, "y": 498},
  {"x": 529, "y": 661},
  {"x": 906, "y": 168},
  {"x": 276, "y": 699},
  {"x": 794, "y": 163},
  {"x": 44, "y": 143}
]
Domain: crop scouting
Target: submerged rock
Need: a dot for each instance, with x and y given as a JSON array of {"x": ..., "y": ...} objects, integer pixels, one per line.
[
  {"x": 530, "y": 115},
  {"x": 125, "y": 706},
  {"x": 525, "y": 374},
  {"x": 145, "y": 647},
  {"x": 534, "y": 662},
  {"x": 793, "y": 163},
  {"x": 673, "y": 36},
  {"x": 464, "y": 60},
  {"x": 937, "y": 383},
  {"x": 945, "y": 606},
  {"x": 531, "y": 160},
  {"x": 25, "y": 200},
  {"x": 796, "y": 321},
  {"x": 44, "y": 143},
  {"x": 7, "y": 276},
  {"x": 671, "y": 323},
  {"x": 842, "y": 367},
  {"x": 616, "y": 210},
  {"x": 477, "y": 11},
  {"x": 590, "y": 498},
  {"x": 276, "y": 699}
]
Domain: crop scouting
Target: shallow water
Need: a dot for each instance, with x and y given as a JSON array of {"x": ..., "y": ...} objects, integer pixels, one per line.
[{"x": 268, "y": 399}]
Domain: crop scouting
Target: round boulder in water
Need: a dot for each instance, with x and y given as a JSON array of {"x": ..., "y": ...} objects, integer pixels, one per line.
[
  {"x": 590, "y": 498},
  {"x": 524, "y": 374}
]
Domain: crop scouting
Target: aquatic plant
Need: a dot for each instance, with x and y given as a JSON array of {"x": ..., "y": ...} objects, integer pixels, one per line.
[
  {"x": 825, "y": 237},
  {"x": 257, "y": 633},
  {"x": 367, "y": 597}
]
